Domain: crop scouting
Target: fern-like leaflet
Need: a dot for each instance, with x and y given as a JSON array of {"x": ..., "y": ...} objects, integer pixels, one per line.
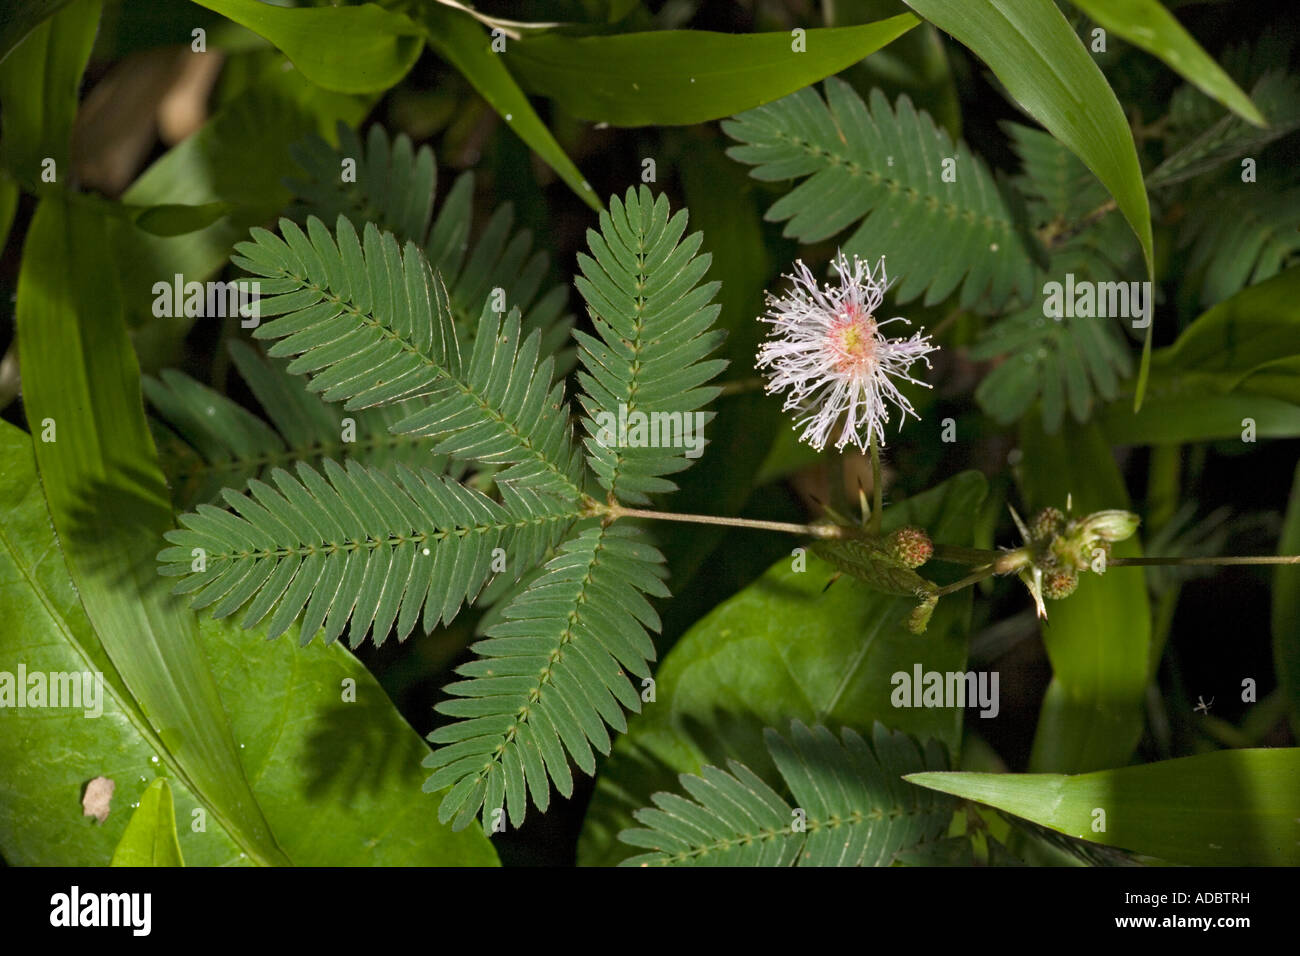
[
  {"x": 654, "y": 323},
  {"x": 394, "y": 188},
  {"x": 887, "y": 165},
  {"x": 355, "y": 544},
  {"x": 370, "y": 325},
  {"x": 550, "y": 677},
  {"x": 209, "y": 442},
  {"x": 1063, "y": 363},
  {"x": 851, "y": 807}
]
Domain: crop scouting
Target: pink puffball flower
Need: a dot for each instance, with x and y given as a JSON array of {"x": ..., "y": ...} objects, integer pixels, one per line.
[{"x": 826, "y": 346}]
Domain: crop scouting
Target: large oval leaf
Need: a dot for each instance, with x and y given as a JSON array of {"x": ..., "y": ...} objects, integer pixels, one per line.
[
  {"x": 463, "y": 43},
  {"x": 679, "y": 77},
  {"x": 1229, "y": 808},
  {"x": 359, "y": 49},
  {"x": 338, "y": 780},
  {"x": 1147, "y": 24}
]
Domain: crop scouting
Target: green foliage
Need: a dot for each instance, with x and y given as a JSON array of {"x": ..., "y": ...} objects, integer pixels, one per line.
[
  {"x": 394, "y": 188},
  {"x": 1259, "y": 240},
  {"x": 372, "y": 325},
  {"x": 1047, "y": 71},
  {"x": 150, "y": 837},
  {"x": 37, "y": 128},
  {"x": 653, "y": 321},
  {"x": 403, "y": 455},
  {"x": 1072, "y": 361},
  {"x": 851, "y": 808},
  {"x": 1099, "y": 639},
  {"x": 349, "y": 49},
  {"x": 1149, "y": 25},
  {"x": 549, "y": 677},
  {"x": 323, "y": 771},
  {"x": 359, "y": 544},
  {"x": 466, "y": 46},
  {"x": 107, "y": 456},
  {"x": 210, "y": 442},
  {"x": 1201, "y": 144},
  {"x": 222, "y": 445},
  {"x": 384, "y": 181},
  {"x": 19, "y": 23},
  {"x": 887, "y": 165},
  {"x": 799, "y": 642}
]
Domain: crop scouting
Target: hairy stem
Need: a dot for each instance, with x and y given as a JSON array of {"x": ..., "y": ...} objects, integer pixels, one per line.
[
  {"x": 1242, "y": 559},
  {"x": 985, "y": 562},
  {"x": 952, "y": 554},
  {"x": 616, "y": 511}
]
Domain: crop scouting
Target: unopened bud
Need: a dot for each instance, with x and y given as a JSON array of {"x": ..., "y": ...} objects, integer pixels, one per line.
[{"x": 1111, "y": 525}]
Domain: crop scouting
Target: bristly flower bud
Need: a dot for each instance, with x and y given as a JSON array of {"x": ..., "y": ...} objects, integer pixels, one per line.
[
  {"x": 910, "y": 546},
  {"x": 1046, "y": 524},
  {"x": 1057, "y": 551},
  {"x": 1059, "y": 584}
]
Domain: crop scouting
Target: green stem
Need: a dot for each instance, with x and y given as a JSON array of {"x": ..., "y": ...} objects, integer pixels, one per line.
[
  {"x": 1163, "y": 485},
  {"x": 1171, "y": 562},
  {"x": 741, "y": 385},
  {"x": 877, "y": 493},
  {"x": 954, "y": 554},
  {"x": 975, "y": 578}
]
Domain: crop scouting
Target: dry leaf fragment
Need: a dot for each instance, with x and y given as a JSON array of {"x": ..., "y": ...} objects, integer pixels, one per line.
[{"x": 98, "y": 795}]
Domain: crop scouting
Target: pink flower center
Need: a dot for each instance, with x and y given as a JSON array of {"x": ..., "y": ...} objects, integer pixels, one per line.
[{"x": 851, "y": 342}]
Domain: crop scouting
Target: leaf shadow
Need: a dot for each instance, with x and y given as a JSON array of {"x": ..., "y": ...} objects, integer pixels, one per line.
[
  {"x": 117, "y": 530},
  {"x": 351, "y": 752}
]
